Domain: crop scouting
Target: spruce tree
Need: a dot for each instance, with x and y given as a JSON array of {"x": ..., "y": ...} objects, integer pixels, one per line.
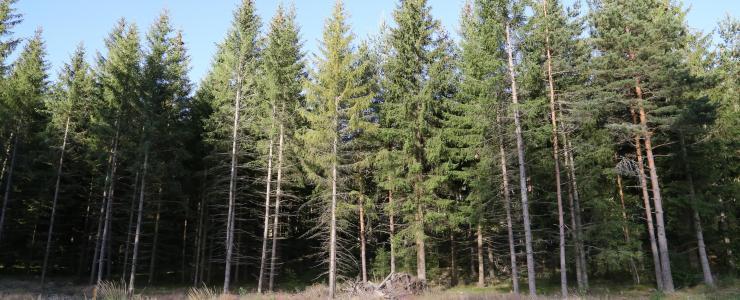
[{"x": 336, "y": 107}]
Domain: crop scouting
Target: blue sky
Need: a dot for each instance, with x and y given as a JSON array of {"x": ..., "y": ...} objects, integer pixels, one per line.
[{"x": 204, "y": 23}]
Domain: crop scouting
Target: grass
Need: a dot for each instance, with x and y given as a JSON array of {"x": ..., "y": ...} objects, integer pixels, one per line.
[{"x": 727, "y": 289}]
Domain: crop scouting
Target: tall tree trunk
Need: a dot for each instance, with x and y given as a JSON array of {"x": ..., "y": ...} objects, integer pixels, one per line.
[
  {"x": 266, "y": 226},
  {"x": 6, "y": 157},
  {"x": 8, "y": 184},
  {"x": 392, "y": 228},
  {"x": 648, "y": 210},
  {"x": 278, "y": 195},
  {"x": 507, "y": 206},
  {"x": 727, "y": 243},
  {"x": 333, "y": 220},
  {"x": 153, "y": 258},
  {"x": 453, "y": 261},
  {"x": 665, "y": 263},
  {"x": 99, "y": 232},
  {"x": 481, "y": 271},
  {"x": 139, "y": 215},
  {"x": 556, "y": 160},
  {"x": 363, "y": 242},
  {"x": 472, "y": 249},
  {"x": 232, "y": 187},
  {"x": 522, "y": 169},
  {"x": 129, "y": 227},
  {"x": 108, "y": 207},
  {"x": 86, "y": 231},
  {"x": 706, "y": 271},
  {"x": 183, "y": 265},
  {"x": 625, "y": 229},
  {"x": 581, "y": 251},
  {"x": 421, "y": 261},
  {"x": 54, "y": 203}
]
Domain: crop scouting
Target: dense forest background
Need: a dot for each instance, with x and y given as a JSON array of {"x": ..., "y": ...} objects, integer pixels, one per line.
[{"x": 567, "y": 146}]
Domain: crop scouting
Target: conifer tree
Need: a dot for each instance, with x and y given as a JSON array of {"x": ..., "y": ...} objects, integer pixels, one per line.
[
  {"x": 336, "y": 106},
  {"x": 71, "y": 95},
  {"x": 282, "y": 71},
  {"x": 28, "y": 86},
  {"x": 416, "y": 83}
]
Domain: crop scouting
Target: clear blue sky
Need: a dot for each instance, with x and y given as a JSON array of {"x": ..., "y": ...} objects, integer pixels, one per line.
[{"x": 204, "y": 23}]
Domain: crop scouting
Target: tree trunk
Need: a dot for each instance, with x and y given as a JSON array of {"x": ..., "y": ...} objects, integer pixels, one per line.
[
  {"x": 108, "y": 207},
  {"x": 99, "y": 232},
  {"x": 54, "y": 203},
  {"x": 266, "y": 226},
  {"x": 184, "y": 241},
  {"x": 278, "y": 195},
  {"x": 333, "y": 220},
  {"x": 491, "y": 263},
  {"x": 522, "y": 170},
  {"x": 137, "y": 234},
  {"x": 556, "y": 160},
  {"x": 153, "y": 258},
  {"x": 421, "y": 261},
  {"x": 453, "y": 262},
  {"x": 706, "y": 271},
  {"x": 392, "y": 229},
  {"x": 232, "y": 187},
  {"x": 648, "y": 209},
  {"x": 363, "y": 242},
  {"x": 6, "y": 157},
  {"x": 481, "y": 272},
  {"x": 625, "y": 229},
  {"x": 727, "y": 243},
  {"x": 665, "y": 263},
  {"x": 507, "y": 206},
  {"x": 130, "y": 225},
  {"x": 8, "y": 184}
]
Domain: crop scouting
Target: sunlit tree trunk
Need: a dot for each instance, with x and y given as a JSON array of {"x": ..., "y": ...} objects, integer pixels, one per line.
[
  {"x": 665, "y": 263},
  {"x": 129, "y": 227},
  {"x": 522, "y": 169},
  {"x": 105, "y": 236},
  {"x": 266, "y": 226},
  {"x": 54, "y": 202},
  {"x": 507, "y": 206},
  {"x": 232, "y": 185},
  {"x": 363, "y": 242},
  {"x": 333, "y": 220},
  {"x": 648, "y": 210},
  {"x": 278, "y": 196},
  {"x": 625, "y": 229},
  {"x": 392, "y": 225},
  {"x": 8, "y": 183},
  {"x": 481, "y": 271},
  {"x": 137, "y": 234}
]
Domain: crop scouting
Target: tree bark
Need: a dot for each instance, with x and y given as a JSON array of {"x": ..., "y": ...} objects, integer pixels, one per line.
[
  {"x": 278, "y": 195},
  {"x": 706, "y": 271},
  {"x": 522, "y": 169},
  {"x": 481, "y": 271},
  {"x": 139, "y": 215},
  {"x": 8, "y": 184},
  {"x": 507, "y": 206},
  {"x": 363, "y": 242},
  {"x": 128, "y": 229},
  {"x": 54, "y": 203},
  {"x": 665, "y": 263},
  {"x": 491, "y": 264},
  {"x": 556, "y": 160},
  {"x": 333, "y": 220},
  {"x": 153, "y": 258},
  {"x": 648, "y": 209},
  {"x": 581, "y": 251},
  {"x": 625, "y": 229},
  {"x": 392, "y": 229},
  {"x": 108, "y": 206},
  {"x": 6, "y": 157},
  {"x": 232, "y": 186},
  {"x": 266, "y": 226},
  {"x": 453, "y": 262}
]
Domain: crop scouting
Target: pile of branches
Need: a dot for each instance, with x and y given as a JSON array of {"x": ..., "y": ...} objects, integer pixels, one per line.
[{"x": 394, "y": 286}]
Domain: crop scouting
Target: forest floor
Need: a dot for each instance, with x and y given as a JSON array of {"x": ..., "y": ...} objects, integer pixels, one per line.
[{"x": 16, "y": 289}]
